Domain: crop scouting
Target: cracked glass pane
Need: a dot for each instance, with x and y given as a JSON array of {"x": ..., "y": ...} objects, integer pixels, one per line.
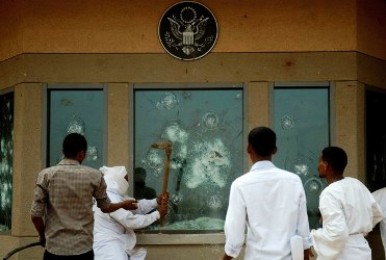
[
  {"x": 6, "y": 159},
  {"x": 301, "y": 121},
  {"x": 205, "y": 128},
  {"x": 76, "y": 111}
]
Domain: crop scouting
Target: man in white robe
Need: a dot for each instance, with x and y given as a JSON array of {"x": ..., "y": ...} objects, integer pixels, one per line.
[
  {"x": 114, "y": 237},
  {"x": 349, "y": 212},
  {"x": 380, "y": 198},
  {"x": 270, "y": 203}
]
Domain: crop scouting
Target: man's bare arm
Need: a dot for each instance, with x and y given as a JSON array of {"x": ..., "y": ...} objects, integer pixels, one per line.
[
  {"x": 40, "y": 227},
  {"x": 127, "y": 205}
]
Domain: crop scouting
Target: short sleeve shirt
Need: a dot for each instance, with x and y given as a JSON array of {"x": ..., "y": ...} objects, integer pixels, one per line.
[{"x": 63, "y": 196}]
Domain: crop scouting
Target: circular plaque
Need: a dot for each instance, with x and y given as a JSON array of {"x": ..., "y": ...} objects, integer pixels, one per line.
[{"x": 188, "y": 30}]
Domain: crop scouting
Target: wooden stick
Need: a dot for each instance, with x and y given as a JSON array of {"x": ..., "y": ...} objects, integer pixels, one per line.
[
  {"x": 165, "y": 183},
  {"x": 167, "y": 146}
]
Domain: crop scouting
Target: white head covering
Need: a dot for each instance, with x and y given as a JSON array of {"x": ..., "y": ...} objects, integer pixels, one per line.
[{"x": 115, "y": 179}]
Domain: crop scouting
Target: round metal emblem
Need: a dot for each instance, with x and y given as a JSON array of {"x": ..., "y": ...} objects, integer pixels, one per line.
[{"x": 188, "y": 30}]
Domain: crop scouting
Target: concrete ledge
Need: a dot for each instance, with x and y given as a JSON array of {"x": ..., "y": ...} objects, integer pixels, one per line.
[{"x": 180, "y": 239}]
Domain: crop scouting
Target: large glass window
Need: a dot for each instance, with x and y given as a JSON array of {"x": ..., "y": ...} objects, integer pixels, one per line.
[
  {"x": 6, "y": 160},
  {"x": 301, "y": 121},
  {"x": 376, "y": 139},
  {"x": 205, "y": 127},
  {"x": 76, "y": 111}
]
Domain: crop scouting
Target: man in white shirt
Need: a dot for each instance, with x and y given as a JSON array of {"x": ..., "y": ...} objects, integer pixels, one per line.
[
  {"x": 114, "y": 237},
  {"x": 270, "y": 203},
  {"x": 380, "y": 198},
  {"x": 349, "y": 211}
]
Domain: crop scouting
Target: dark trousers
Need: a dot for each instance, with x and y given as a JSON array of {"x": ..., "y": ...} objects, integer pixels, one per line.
[{"x": 86, "y": 256}]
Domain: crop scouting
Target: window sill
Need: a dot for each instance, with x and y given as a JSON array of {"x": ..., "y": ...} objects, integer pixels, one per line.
[{"x": 180, "y": 239}]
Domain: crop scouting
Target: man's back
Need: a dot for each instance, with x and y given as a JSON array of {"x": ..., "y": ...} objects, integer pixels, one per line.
[
  {"x": 275, "y": 205},
  {"x": 355, "y": 201},
  {"x": 271, "y": 202},
  {"x": 349, "y": 212},
  {"x": 67, "y": 189}
]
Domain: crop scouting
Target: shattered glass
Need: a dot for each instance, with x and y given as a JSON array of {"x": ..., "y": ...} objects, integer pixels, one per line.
[
  {"x": 205, "y": 128},
  {"x": 6, "y": 159}
]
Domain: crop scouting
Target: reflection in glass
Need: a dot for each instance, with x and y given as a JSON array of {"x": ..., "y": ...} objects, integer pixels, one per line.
[
  {"x": 141, "y": 190},
  {"x": 301, "y": 121},
  {"x": 6, "y": 159},
  {"x": 205, "y": 128},
  {"x": 76, "y": 111}
]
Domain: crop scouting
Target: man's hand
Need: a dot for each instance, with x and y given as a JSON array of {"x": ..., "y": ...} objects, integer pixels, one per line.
[
  {"x": 163, "y": 202},
  {"x": 130, "y": 204},
  {"x": 227, "y": 257},
  {"x": 126, "y": 204},
  {"x": 309, "y": 253},
  {"x": 163, "y": 198},
  {"x": 163, "y": 210},
  {"x": 40, "y": 227}
]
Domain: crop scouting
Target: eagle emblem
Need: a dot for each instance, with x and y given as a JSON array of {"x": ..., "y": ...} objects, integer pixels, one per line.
[{"x": 188, "y": 30}]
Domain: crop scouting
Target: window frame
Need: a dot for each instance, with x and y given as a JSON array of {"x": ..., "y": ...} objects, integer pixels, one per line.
[{"x": 50, "y": 87}]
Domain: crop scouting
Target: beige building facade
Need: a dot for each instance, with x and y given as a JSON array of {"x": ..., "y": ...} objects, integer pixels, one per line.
[{"x": 115, "y": 43}]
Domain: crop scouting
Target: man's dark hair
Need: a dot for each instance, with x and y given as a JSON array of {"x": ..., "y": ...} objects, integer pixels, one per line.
[
  {"x": 336, "y": 157},
  {"x": 263, "y": 140},
  {"x": 74, "y": 143}
]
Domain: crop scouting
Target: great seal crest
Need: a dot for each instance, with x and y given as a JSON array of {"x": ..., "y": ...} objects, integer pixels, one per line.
[{"x": 188, "y": 30}]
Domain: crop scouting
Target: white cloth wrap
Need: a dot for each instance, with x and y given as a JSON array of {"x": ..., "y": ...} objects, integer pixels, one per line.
[{"x": 115, "y": 179}]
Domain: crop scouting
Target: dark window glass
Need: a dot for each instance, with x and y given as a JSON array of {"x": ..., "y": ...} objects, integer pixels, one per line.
[{"x": 376, "y": 139}]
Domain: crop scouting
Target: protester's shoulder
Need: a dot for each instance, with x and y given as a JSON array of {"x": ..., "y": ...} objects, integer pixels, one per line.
[
  {"x": 277, "y": 172},
  {"x": 287, "y": 175},
  {"x": 242, "y": 179},
  {"x": 90, "y": 170},
  {"x": 338, "y": 189},
  {"x": 48, "y": 170},
  {"x": 353, "y": 181},
  {"x": 380, "y": 192}
]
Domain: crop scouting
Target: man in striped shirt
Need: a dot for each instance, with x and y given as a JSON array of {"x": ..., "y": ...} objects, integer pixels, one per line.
[{"x": 61, "y": 209}]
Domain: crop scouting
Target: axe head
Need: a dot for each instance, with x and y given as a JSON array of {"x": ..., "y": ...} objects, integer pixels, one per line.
[{"x": 164, "y": 144}]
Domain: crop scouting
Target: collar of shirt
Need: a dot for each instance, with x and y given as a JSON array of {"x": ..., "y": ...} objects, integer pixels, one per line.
[
  {"x": 68, "y": 162},
  {"x": 262, "y": 165}
]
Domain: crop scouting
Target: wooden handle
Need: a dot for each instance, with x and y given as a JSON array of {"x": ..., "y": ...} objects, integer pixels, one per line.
[{"x": 165, "y": 183}]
